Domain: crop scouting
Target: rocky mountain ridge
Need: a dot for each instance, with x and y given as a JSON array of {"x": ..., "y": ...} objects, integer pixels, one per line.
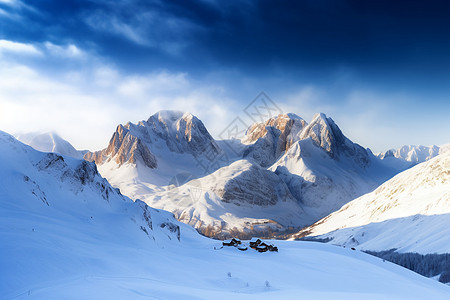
[{"x": 309, "y": 170}]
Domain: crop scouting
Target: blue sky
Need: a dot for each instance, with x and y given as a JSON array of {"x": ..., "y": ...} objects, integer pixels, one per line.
[{"x": 380, "y": 69}]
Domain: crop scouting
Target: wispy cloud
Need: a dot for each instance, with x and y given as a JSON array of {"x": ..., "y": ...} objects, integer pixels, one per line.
[
  {"x": 70, "y": 50},
  {"x": 18, "y": 48},
  {"x": 152, "y": 26}
]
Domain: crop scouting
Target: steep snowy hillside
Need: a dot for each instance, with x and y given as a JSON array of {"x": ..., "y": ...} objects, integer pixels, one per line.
[
  {"x": 56, "y": 209},
  {"x": 50, "y": 142},
  {"x": 409, "y": 213},
  {"x": 66, "y": 234}
]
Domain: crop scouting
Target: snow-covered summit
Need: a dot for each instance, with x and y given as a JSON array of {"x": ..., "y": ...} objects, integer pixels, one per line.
[
  {"x": 49, "y": 142},
  {"x": 269, "y": 140},
  {"x": 148, "y": 141},
  {"x": 327, "y": 135},
  {"x": 182, "y": 132}
]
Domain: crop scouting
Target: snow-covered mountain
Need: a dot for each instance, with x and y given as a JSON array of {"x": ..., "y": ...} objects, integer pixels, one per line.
[
  {"x": 287, "y": 174},
  {"x": 324, "y": 170},
  {"x": 409, "y": 213},
  {"x": 65, "y": 233},
  {"x": 172, "y": 131},
  {"x": 50, "y": 142},
  {"x": 410, "y": 155}
]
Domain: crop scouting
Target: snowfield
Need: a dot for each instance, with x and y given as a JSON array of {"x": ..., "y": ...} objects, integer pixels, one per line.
[{"x": 65, "y": 233}]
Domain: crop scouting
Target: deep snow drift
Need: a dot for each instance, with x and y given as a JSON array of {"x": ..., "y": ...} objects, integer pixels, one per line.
[{"x": 66, "y": 234}]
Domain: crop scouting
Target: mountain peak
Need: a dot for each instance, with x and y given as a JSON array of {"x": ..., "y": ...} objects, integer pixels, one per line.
[
  {"x": 49, "y": 142},
  {"x": 170, "y": 116},
  {"x": 270, "y": 139},
  {"x": 165, "y": 131},
  {"x": 324, "y": 132},
  {"x": 320, "y": 116}
]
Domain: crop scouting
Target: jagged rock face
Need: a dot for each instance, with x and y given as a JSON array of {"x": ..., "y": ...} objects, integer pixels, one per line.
[
  {"x": 327, "y": 135},
  {"x": 164, "y": 131},
  {"x": 182, "y": 133},
  {"x": 270, "y": 139},
  {"x": 124, "y": 148},
  {"x": 254, "y": 186}
]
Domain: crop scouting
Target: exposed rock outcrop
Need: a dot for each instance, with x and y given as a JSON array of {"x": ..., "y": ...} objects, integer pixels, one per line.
[{"x": 269, "y": 140}]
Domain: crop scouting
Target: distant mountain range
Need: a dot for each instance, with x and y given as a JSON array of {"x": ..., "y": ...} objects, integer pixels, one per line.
[
  {"x": 409, "y": 155},
  {"x": 284, "y": 174}
]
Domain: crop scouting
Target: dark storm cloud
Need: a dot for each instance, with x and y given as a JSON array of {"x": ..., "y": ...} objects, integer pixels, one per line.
[{"x": 251, "y": 36}]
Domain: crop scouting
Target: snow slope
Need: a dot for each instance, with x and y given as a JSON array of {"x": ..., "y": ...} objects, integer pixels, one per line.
[
  {"x": 66, "y": 234},
  {"x": 410, "y": 212},
  {"x": 50, "y": 142}
]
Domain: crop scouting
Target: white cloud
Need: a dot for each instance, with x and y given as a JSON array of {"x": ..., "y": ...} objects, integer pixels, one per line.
[
  {"x": 142, "y": 86},
  {"x": 70, "y": 50},
  {"x": 18, "y": 48},
  {"x": 85, "y": 105}
]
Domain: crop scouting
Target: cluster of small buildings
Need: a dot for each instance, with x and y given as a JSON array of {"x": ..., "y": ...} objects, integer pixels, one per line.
[{"x": 255, "y": 243}]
